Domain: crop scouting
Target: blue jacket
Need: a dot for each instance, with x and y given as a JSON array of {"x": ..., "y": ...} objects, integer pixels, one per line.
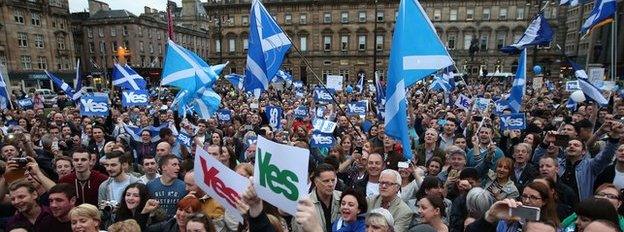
[
  {"x": 479, "y": 162},
  {"x": 359, "y": 225},
  {"x": 588, "y": 169}
]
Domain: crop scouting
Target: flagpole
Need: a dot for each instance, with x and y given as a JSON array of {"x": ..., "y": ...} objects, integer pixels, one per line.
[{"x": 614, "y": 45}]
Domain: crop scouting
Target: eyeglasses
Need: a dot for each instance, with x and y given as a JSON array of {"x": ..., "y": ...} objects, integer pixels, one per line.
[
  {"x": 608, "y": 196},
  {"x": 532, "y": 198},
  {"x": 387, "y": 184}
]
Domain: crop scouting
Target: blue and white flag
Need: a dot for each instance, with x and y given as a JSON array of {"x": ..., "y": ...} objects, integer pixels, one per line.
[
  {"x": 572, "y": 2},
  {"x": 184, "y": 139},
  {"x": 274, "y": 115},
  {"x": 25, "y": 103},
  {"x": 519, "y": 85},
  {"x": 301, "y": 112},
  {"x": 5, "y": 97},
  {"x": 186, "y": 70},
  {"x": 204, "y": 103},
  {"x": 588, "y": 88},
  {"x": 323, "y": 96},
  {"x": 282, "y": 77},
  {"x": 440, "y": 84},
  {"x": 268, "y": 44},
  {"x": 500, "y": 105},
  {"x": 67, "y": 89},
  {"x": 380, "y": 98},
  {"x": 236, "y": 80},
  {"x": 126, "y": 78},
  {"x": 135, "y": 131},
  {"x": 571, "y": 104},
  {"x": 322, "y": 140},
  {"x": 224, "y": 115},
  {"x": 298, "y": 84},
  {"x": 463, "y": 102},
  {"x": 514, "y": 121},
  {"x": 323, "y": 126},
  {"x": 539, "y": 32},
  {"x": 78, "y": 87},
  {"x": 416, "y": 53},
  {"x": 356, "y": 108},
  {"x": 94, "y": 105},
  {"x": 602, "y": 14},
  {"x": 360, "y": 83},
  {"x": 131, "y": 98}
]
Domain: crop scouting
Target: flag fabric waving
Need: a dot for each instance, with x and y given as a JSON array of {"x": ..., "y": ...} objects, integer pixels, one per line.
[
  {"x": 282, "y": 76},
  {"x": 268, "y": 44},
  {"x": 539, "y": 32},
  {"x": 440, "y": 83},
  {"x": 380, "y": 97},
  {"x": 572, "y": 2},
  {"x": 61, "y": 84},
  {"x": 416, "y": 53},
  {"x": 126, "y": 78},
  {"x": 185, "y": 70},
  {"x": 135, "y": 131},
  {"x": 360, "y": 83},
  {"x": 603, "y": 13},
  {"x": 588, "y": 88},
  {"x": 5, "y": 97},
  {"x": 519, "y": 85},
  {"x": 236, "y": 80},
  {"x": 78, "y": 88}
]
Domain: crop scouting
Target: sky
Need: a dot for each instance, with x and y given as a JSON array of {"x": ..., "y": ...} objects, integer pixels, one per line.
[{"x": 134, "y": 6}]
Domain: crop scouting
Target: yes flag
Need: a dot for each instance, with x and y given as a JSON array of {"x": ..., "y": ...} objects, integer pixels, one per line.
[
  {"x": 588, "y": 88},
  {"x": 126, "y": 78},
  {"x": 539, "y": 32},
  {"x": 94, "y": 105},
  {"x": 603, "y": 13},
  {"x": 61, "y": 84},
  {"x": 130, "y": 98},
  {"x": 187, "y": 71},
  {"x": 519, "y": 85},
  {"x": 268, "y": 45},
  {"x": 416, "y": 53}
]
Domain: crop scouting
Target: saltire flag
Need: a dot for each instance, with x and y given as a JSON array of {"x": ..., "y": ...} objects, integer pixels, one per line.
[
  {"x": 572, "y": 2},
  {"x": 539, "y": 32},
  {"x": 519, "y": 85},
  {"x": 268, "y": 44},
  {"x": 416, "y": 53},
  {"x": 126, "y": 78},
  {"x": 360, "y": 83},
  {"x": 61, "y": 84},
  {"x": 440, "y": 83},
  {"x": 380, "y": 97},
  {"x": 135, "y": 131},
  {"x": 236, "y": 80},
  {"x": 588, "y": 88},
  {"x": 282, "y": 76},
  {"x": 602, "y": 14},
  {"x": 205, "y": 102},
  {"x": 449, "y": 76},
  {"x": 78, "y": 87},
  {"x": 571, "y": 104},
  {"x": 5, "y": 97},
  {"x": 186, "y": 70}
]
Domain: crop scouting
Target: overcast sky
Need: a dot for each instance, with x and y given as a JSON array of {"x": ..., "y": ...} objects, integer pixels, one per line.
[{"x": 134, "y": 6}]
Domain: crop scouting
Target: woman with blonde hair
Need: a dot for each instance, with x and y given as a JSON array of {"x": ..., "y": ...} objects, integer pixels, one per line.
[
  {"x": 85, "y": 217},
  {"x": 379, "y": 220},
  {"x": 129, "y": 225}
]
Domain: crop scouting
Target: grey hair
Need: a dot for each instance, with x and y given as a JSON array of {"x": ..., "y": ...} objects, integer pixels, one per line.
[
  {"x": 526, "y": 146},
  {"x": 478, "y": 201},
  {"x": 46, "y": 140},
  {"x": 452, "y": 150},
  {"x": 393, "y": 172}
]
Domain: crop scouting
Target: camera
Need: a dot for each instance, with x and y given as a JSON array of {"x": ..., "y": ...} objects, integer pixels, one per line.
[
  {"x": 108, "y": 206},
  {"x": 21, "y": 161}
]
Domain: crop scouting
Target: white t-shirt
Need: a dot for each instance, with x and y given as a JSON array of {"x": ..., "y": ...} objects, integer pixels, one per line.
[
  {"x": 372, "y": 189},
  {"x": 618, "y": 180}
]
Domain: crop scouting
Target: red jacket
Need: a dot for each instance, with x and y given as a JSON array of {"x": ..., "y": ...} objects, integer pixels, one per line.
[{"x": 87, "y": 191}]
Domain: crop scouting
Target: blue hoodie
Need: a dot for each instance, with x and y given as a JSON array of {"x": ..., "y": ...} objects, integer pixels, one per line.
[{"x": 359, "y": 225}]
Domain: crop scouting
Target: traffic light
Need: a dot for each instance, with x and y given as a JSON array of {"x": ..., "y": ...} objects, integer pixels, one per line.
[{"x": 122, "y": 54}]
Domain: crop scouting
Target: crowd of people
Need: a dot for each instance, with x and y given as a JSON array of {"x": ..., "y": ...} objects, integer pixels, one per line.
[{"x": 564, "y": 172}]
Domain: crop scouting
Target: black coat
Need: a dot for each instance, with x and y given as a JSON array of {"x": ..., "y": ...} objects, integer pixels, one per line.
[
  {"x": 606, "y": 176},
  {"x": 529, "y": 173},
  {"x": 170, "y": 225}
]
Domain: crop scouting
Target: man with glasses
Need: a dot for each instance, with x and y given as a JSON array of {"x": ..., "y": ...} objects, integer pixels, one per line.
[
  {"x": 388, "y": 198},
  {"x": 325, "y": 198}
]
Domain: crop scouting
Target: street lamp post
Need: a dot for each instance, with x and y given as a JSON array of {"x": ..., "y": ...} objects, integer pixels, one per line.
[{"x": 375, "y": 39}]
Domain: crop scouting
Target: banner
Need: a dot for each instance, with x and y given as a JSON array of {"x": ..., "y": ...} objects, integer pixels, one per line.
[
  {"x": 184, "y": 138},
  {"x": 297, "y": 84},
  {"x": 219, "y": 182},
  {"x": 94, "y": 105},
  {"x": 280, "y": 176},
  {"x": 596, "y": 74},
  {"x": 320, "y": 111},
  {"x": 463, "y": 102},
  {"x": 500, "y": 106},
  {"x": 130, "y": 98},
  {"x": 481, "y": 104},
  {"x": 572, "y": 86},
  {"x": 515, "y": 121},
  {"x": 25, "y": 103},
  {"x": 301, "y": 112},
  {"x": 224, "y": 115},
  {"x": 356, "y": 108},
  {"x": 334, "y": 82},
  {"x": 323, "y": 126},
  {"x": 322, "y": 140},
  {"x": 274, "y": 115},
  {"x": 323, "y": 96}
]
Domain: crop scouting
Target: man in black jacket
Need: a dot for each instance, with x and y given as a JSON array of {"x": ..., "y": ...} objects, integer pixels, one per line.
[{"x": 614, "y": 173}]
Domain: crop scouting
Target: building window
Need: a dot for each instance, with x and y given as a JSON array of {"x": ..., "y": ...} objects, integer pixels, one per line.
[
  {"x": 141, "y": 46},
  {"x": 344, "y": 73},
  {"x": 344, "y": 17},
  {"x": 288, "y": 18},
  {"x": 151, "y": 47},
  {"x": 502, "y": 14},
  {"x": 303, "y": 19},
  {"x": 102, "y": 47},
  {"x": 232, "y": 45},
  {"x": 327, "y": 17},
  {"x": 245, "y": 44},
  {"x": 467, "y": 41},
  {"x": 245, "y": 20},
  {"x": 35, "y": 19},
  {"x": 379, "y": 41},
  {"x": 470, "y": 14},
  {"x": 361, "y": 42},
  {"x": 453, "y": 15},
  {"x": 60, "y": 41},
  {"x": 18, "y": 16},
  {"x": 327, "y": 42},
  {"x": 500, "y": 39},
  {"x": 89, "y": 32},
  {"x": 26, "y": 62},
  {"x": 125, "y": 30},
  {"x": 114, "y": 46},
  {"x": 520, "y": 13},
  {"x": 362, "y": 16},
  {"x": 91, "y": 47},
  {"x": 39, "y": 41},
  {"x": 3, "y": 59},
  {"x": 344, "y": 43},
  {"x": 483, "y": 43},
  {"x": 42, "y": 62},
  {"x": 380, "y": 16},
  {"x": 452, "y": 37},
  {"x": 101, "y": 32},
  {"x": 22, "y": 39},
  {"x": 437, "y": 15},
  {"x": 303, "y": 43},
  {"x": 326, "y": 72},
  {"x": 140, "y": 31},
  {"x": 486, "y": 13},
  {"x": 217, "y": 46}
]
